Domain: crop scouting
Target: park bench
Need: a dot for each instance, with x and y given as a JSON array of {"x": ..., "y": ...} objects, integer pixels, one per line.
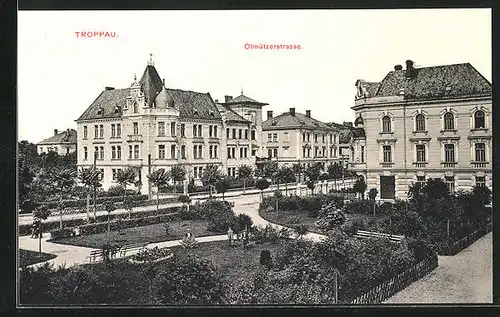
[
  {"x": 368, "y": 235},
  {"x": 95, "y": 255},
  {"x": 132, "y": 247}
]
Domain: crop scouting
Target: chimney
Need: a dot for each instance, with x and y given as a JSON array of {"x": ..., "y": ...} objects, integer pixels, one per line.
[
  {"x": 110, "y": 88},
  {"x": 55, "y": 131},
  {"x": 347, "y": 124},
  {"x": 163, "y": 80},
  {"x": 216, "y": 100},
  {"x": 292, "y": 111},
  {"x": 269, "y": 114},
  {"x": 398, "y": 67},
  {"x": 227, "y": 98},
  {"x": 409, "y": 69},
  {"x": 308, "y": 113}
]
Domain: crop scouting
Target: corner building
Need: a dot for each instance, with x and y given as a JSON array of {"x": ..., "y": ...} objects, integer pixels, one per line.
[
  {"x": 124, "y": 127},
  {"x": 420, "y": 123}
]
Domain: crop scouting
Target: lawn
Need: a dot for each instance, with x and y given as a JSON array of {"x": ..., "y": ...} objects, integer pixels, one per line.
[
  {"x": 27, "y": 257},
  {"x": 292, "y": 218},
  {"x": 143, "y": 234}
]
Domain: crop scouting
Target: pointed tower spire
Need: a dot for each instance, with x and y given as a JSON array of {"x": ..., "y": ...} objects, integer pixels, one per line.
[
  {"x": 150, "y": 62},
  {"x": 242, "y": 89}
]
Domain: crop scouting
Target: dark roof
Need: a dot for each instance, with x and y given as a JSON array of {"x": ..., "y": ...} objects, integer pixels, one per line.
[
  {"x": 151, "y": 84},
  {"x": 359, "y": 120},
  {"x": 68, "y": 136},
  {"x": 244, "y": 99},
  {"x": 447, "y": 81},
  {"x": 345, "y": 136},
  {"x": 299, "y": 120},
  {"x": 108, "y": 101},
  {"x": 231, "y": 115},
  {"x": 372, "y": 88},
  {"x": 189, "y": 103}
]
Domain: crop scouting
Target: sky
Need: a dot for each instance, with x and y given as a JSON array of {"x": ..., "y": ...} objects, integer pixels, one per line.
[{"x": 60, "y": 74}]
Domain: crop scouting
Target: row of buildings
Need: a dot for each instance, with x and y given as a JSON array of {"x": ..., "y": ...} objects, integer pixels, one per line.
[{"x": 415, "y": 124}]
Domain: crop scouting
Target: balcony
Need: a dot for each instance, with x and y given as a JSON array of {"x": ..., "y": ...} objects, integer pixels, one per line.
[
  {"x": 386, "y": 164},
  {"x": 420, "y": 164},
  {"x": 449, "y": 164},
  {"x": 476, "y": 164},
  {"x": 134, "y": 138}
]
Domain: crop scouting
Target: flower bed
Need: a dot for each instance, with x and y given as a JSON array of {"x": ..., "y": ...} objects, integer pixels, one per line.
[{"x": 151, "y": 255}]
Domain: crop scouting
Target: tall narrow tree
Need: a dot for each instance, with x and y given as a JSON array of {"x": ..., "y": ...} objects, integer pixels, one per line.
[
  {"x": 178, "y": 173},
  {"x": 222, "y": 186},
  {"x": 159, "y": 178},
  {"x": 91, "y": 178},
  {"x": 244, "y": 173},
  {"x": 63, "y": 180},
  {"x": 210, "y": 176},
  {"x": 39, "y": 214},
  {"x": 125, "y": 177}
]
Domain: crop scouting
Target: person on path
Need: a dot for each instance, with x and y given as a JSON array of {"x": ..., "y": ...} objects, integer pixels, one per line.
[{"x": 230, "y": 236}]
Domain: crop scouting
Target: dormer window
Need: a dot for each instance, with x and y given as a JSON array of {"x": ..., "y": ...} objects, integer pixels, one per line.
[
  {"x": 212, "y": 114},
  {"x": 273, "y": 122},
  {"x": 117, "y": 109},
  {"x": 401, "y": 91},
  {"x": 195, "y": 111},
  {"x": 448, "y": 88},
  {"x": 136, "y": 107},
  {"x": 100, "y": 110}
]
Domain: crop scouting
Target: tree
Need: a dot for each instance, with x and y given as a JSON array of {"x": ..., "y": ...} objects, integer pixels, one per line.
[
  {"x": 335, "y": 171},
  {"x": 313, "y": 171},
  {"x": 286, "y": 175},
  {"x": 360, "y": 187},
  {"x": 90, "y": 177},
  {"x": 39, "y": 214},
  {"x": 262, "y": 184},
  {"x": 323, "y": 177},
  {"x": 190, "y": 281},
  {"x": 128, "y": 205},
  {"x": 63, "y": 181},
  {"x": 372, "y": 194},
  {"x": 178, "y": 174},
  {"x": 297, "y": 170},
  {"x": 244, "y": 173},
  {"x": 124, "y": 178},
  {"x": 185, "y": 199},
  {"x": 311, "y": 184},
  {"x": 109, "y": 207},
  {"x": 222, "y": 186},
  {"x": 210, "y": 176},
  {"x": 158, "y": 178}
]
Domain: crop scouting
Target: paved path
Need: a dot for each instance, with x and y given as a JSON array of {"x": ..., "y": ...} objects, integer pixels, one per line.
[{"x": 463, "y": 278}]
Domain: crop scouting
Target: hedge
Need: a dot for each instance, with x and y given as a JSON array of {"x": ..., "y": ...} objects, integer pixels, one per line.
[{"x": 79, "y": 203}]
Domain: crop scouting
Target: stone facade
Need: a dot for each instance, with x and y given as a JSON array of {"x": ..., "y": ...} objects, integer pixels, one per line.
[{"x": 436, "y": 124}]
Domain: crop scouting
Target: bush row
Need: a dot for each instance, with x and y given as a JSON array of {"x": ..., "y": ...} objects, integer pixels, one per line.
[
  {"x": 311, "y": 204},
  {"x": 79, "y": 203}
]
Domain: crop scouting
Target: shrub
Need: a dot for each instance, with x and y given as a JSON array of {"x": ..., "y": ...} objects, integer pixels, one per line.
[
  {"x": 190, "y": 281},
  {"x": 116, "y": 190},
  {"x": 241, "y": 222},
  {"x": 188, "y": 214},
  {"x": 265, "y": 258},
  {"x": 330, "y": 218},
  {"x": 34, "y": 284},
  {"x": 351, "y": 227},
  {"x": 359, "y": 207},
  {"x": 270, "y": 234},
  {"x": 62, "y": 233},
  {"x": 149, "y": 255}
]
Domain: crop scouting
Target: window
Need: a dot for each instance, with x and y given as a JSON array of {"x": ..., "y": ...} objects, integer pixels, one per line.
[
  {"x": 161, "y": 128},
  {"x": 303, "y": 152},
  {"x": 84, "y": 132},
  {"x": 362, "y": 154},
  {"x": 331, "y": 138},
  {"x": 113, "y": 172},
  {"x": 227, "y": 133},
  {"x": 212, "y": 151},
  {"x": 420, "y": 152},
  {"x": 200, "y": 151},
  {"x": 183, "y": 151},
  {"x": 254, "y": 152},
  {"x": 286, "y": 136},
  {"x": 113, "y": 131},
  {"x": 420, "y": 122},
  {"x": 449, "y": 153},
  {"x": 130, "y": 151},
  {"x": 308, "y": 137},
  {"x": 243, "y": 152},
  {"x": 269, "y": 152},
  {"x": 386, "y": 124},
  {"x": 269, "y": 137},
  {"x": 172, "y": 152},
  {"x": 479, "y": 122},
  {"x": 480, "y": 181},
  {"x": 421, "y": 180},
  {"x": 161, "y": 151},
  {"x": 275, "y": 137},
  {"x": 172, "y": 129},
  {"x": 118, "y": 152},
  {"x": 449, "y": 121},
  {"x": 234, "y": 133},
  {"x": 118, "y": 130},
  {"x": 450, "y": 181},
  {"x": 387, "y": 154},
  {"x": 275, "y": 152},
  {"x": 183, "y": 130},
  {"x": 315, "y": 151},
  {"x": 480, "y": 152},
  {"x": 85, "y": 153},
  {"x": 315, "y": 138},
  {"x": 253, "y": 134},
  {"x": 215, "y": 131},
  {"x": 231, "y": 152},
  {"x": 246, "y": 134},
  {"x": 96, "y": 131},
  {"x": 303, "y": 137},
  {"x": 240, "y": 134},
  {"x": 210, "y": 131},
  {"x": 101, "y": 131},
  {"x": 308, "y": 152},
  {"x": 101, "y": 175},
  {"x": 197, "y": 130},
  {"x": 136, "y": 107},
  {"x": 113, "y": 153},
  {"x": 101, "y": 156},
  {"x": 136, "y": 128},
  {"x": 136, "y": 151},
  {"x": 324, "y": 151},
  {"x": 195, "y": 151},
  {"x": 323, "y": 138}
]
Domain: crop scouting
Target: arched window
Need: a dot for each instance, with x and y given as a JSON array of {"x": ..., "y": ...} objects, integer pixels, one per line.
[
  {"x": 136, "y": 108},
  {"x": 420, "y": 122},
  {"x": 479, "y": 122},
  {"x": 449, "y": 121},
  {"x": 386, "y": 124}
]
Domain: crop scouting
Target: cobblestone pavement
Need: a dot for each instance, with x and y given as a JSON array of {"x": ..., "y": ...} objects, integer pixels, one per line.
[{"x": 463, "y": 278}]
